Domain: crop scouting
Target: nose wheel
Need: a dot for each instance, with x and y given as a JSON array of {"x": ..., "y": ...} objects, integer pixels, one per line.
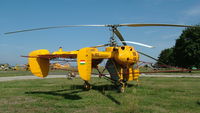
[{"x": 87, "y": 85}]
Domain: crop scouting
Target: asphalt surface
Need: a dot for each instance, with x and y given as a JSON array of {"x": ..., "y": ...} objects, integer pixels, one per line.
[
  {"x": 29, "y": 77},
  {"x": 194, "y": 76},
  {"x": 64, "y": 76}
]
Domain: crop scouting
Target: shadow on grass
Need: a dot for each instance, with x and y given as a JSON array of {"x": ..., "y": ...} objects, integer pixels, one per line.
[
  {"x": 102, "y": 89},
  {"x": 72, "y": 95},
  {"x": 74, "y": 89},
  {"x": 198, "y": 102}
]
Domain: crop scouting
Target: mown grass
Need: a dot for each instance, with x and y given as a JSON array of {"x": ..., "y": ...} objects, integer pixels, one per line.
[
  {"x": 14, "y": 73},
  {"x": 153, "y": 95}
]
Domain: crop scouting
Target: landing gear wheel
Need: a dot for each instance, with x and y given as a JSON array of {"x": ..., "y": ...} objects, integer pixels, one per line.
[
  {"x": 122, "y": 87},
  {"x": 87, "y": 86}
]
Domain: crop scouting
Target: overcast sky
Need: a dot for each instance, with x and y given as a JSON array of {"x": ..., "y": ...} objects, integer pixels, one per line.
[{"x": 25, "y": 14}]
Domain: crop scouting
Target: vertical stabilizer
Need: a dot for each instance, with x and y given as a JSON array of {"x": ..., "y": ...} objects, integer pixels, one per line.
[
  {"x": 84, "y": 62},
  {"x": 39, "y": 66}
]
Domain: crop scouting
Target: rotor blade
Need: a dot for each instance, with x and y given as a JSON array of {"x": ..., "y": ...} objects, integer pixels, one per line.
[
  {"x": 119, "y": 36},
  {"x": 140, "y": 44},
  {"x": 116, "y": 32},
  {"x": 52, "y": 27},
  {"x": 148, "y": 56},
  {"x": 143, "y": 25},
  {"x": 100, "y": 45}
]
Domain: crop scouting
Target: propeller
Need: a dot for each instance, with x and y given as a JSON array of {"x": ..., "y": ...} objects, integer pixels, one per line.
[
  {"x": 53, "y": 27},
  {"x": 100, "y": 45},
  {"x": 114, "y": 28},
  {"x": 147, "y": 55},
  {"x": 140, "y": 44},
  {"x": 109, "y": 25},
  {"x": 119, "y": 35},
  {"x": 164, "y": 25}
]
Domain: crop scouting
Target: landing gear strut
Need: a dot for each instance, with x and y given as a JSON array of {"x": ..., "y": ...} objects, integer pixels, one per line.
[{"x": 87, "y": 86}]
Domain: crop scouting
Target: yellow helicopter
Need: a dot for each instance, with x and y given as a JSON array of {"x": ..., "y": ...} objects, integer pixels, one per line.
[{"x": 121, "y": 60}]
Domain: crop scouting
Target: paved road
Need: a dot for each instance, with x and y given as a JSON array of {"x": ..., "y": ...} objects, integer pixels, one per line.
[
  {"x": 194, "y": 76},
  {"x": 29, "y": 77},
  {"x": 64, "y": 76}
]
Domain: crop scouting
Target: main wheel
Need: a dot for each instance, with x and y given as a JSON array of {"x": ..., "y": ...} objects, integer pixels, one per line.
[
  {"x": 87, "y": 86},
  {"x": 122, "y": 87}
]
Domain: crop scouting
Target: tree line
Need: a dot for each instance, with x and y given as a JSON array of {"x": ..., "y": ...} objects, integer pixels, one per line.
[{"x": 186, "y": 52}]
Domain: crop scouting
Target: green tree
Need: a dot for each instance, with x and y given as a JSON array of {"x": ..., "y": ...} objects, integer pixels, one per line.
[
  {"x": 187, "y": 48},
  {"x": 166, "y": 57}
]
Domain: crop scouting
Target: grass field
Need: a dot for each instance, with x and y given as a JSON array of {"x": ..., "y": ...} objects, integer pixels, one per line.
[
  {"x": 154, "y": 95},
  {"x": 64, "y": 72},
  {"x": 14, "y": 73}
]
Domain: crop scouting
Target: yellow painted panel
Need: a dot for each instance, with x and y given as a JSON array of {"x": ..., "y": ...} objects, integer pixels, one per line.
[
  {"x": 84, "y": 62},
  {"x": 136, "y": 74},
  {"x": 101, "y": 55},
  {"x": 39, "y": 66},
  {"x": 130, "y": 76},
  {"x": 133, "y": 74}
]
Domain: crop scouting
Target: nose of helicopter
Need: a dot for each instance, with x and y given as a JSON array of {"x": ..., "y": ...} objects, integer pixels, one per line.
[{"x": 126, "y": 55}]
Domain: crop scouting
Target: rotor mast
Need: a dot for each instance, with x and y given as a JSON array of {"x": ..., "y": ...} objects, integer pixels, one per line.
[
  {"x": 115, "y": 32},
  {"x": 112, "y": 41}
]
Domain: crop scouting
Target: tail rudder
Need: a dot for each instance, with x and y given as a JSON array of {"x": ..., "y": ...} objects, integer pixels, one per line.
[{"x": 39, "y": 66}]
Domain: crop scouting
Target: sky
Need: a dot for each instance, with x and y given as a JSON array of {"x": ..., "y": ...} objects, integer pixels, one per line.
[{"x": 26, "y": 14}]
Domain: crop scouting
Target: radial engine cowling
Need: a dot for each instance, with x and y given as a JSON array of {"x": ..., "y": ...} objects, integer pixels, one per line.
[{"x": 126, "y": 55}]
